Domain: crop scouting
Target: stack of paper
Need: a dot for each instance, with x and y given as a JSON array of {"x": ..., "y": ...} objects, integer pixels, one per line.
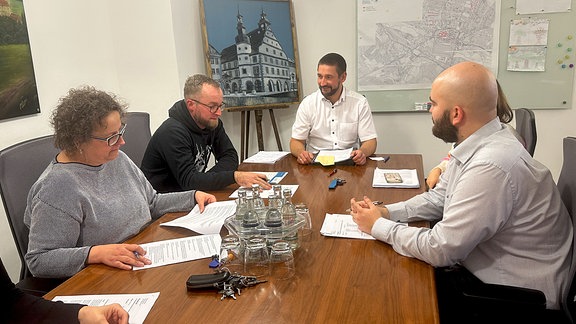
[
  {"x": 266, "y": 157},
  {"x": 388, "y": 178}
]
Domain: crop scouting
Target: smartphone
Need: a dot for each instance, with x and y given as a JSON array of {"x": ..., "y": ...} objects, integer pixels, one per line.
[{"x": 393, "y": 177}]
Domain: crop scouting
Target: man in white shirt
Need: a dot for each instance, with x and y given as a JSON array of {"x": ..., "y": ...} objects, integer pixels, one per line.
[
  {"x": 333, "y": 117},
  {"x": 499, "y": 213}
]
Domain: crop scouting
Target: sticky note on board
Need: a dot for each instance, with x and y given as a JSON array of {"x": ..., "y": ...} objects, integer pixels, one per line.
[{"x": 325, "y": 160}]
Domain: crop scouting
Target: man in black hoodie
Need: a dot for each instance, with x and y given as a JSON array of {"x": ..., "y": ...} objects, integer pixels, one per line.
[{"x": 177, "y": 154}]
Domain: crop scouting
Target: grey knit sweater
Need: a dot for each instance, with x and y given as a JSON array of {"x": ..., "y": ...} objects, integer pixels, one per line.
[{"x": 74, "y": 206}]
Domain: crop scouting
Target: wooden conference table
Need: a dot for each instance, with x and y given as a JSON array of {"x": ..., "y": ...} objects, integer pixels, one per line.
[{"x": 337, "y": 280}]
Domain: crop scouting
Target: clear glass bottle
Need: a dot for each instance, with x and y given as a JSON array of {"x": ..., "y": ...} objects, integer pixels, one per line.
[
  {"x": 250, "y": 218},
  {"x": 304, "y": 213},
  {"x": 258, "y": 202},
  {"x": 273, "y": 221},
  {"x": 241, "y": 205},
  {"x": 289, "y": 218},
  {"x": 277, "y": 190}
]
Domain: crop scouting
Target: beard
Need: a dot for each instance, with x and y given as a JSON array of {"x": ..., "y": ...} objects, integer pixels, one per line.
[
  {"x": 444, "y": 130},
  {"x": 205, "y": 123},
  {"x": 328, "y": 91}
]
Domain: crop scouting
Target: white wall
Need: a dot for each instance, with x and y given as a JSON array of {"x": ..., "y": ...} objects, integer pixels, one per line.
[{"x": 143, "y": 50}]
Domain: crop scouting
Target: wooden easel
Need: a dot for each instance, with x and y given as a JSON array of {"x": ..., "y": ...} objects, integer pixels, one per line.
[{"x": 245, "y": 126}]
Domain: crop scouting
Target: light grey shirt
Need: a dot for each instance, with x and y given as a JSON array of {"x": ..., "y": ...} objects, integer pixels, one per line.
[
  {"x": 500, "y": 215},
  {"x": 73, "y": 207}
]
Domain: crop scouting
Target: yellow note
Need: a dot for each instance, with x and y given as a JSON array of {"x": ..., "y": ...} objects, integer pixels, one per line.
[{"x": 325, "y": 160}]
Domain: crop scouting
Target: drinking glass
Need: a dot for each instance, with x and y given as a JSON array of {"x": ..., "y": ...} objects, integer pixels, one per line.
[
  {"x": 282, "y": 261},
  {"x": 256, "y": 259},
  {"x": 230, "y": 254},
  {"x": 303, "y": 212}
]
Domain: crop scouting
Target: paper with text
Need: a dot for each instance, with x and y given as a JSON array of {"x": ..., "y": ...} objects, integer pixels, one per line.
[
  {"x": 208, "y": 222},
  {"x": 266, "y": 157},
  {"x": 342, "y": 225},
  {"x": 181, "y": 250},
  {"x": 339, "y": 155},
  {"x": 137, "y": 305}
]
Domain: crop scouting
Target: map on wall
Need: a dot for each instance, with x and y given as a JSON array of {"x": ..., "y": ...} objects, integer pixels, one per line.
[{"x": 405, "y": 44}]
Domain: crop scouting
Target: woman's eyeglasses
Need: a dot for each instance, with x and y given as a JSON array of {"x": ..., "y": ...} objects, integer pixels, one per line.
[{"x": 112, "y": 139}]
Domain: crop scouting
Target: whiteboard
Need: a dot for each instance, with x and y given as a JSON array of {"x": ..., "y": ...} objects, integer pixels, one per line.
[{"x": 550, "y": 89}]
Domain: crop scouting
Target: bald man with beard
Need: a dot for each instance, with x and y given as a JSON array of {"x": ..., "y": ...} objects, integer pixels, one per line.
[{"x": 498, "y": 215}]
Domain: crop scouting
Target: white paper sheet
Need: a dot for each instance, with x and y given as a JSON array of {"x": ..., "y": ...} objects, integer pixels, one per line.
[
  {"x": 341, "y": 225},
  {"x": 208, "y": 222},
  {"x": 181, "y": 250},
  {"x": 137, "y": 305},
  {"x": 268, "y": 157}
]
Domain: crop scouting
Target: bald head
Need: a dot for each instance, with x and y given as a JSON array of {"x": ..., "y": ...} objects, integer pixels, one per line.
[{"x": 470, "y": 86}]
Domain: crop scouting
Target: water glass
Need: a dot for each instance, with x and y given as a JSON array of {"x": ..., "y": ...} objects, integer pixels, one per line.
[
  {"x": 230, "y": 254},
  {"x": 256, "y": 259},
  {"x": 302, "y": 211},
  {"x": 282, "y": 261}
]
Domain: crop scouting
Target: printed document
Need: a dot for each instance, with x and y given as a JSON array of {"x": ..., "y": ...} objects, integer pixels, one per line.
[
  {"x": 342, "y": 225},
  {"x": 137, "y": 305},
  {"x": 181, "y": 250},
  {"x": 208, "y": 222},
  {"x": 269, "y": 157}
]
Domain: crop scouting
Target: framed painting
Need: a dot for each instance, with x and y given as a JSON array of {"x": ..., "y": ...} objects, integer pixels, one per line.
[
  {"x": 251, "y": 49},
  {"x": 18, "y": 94}
]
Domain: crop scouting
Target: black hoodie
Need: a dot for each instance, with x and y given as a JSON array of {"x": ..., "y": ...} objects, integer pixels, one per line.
[{"x": 178, "y": 153}]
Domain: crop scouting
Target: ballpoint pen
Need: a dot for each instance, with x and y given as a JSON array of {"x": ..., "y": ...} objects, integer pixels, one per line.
[
  {"x": 386, "y": 158},
  {"x": 332, "y": 173}
]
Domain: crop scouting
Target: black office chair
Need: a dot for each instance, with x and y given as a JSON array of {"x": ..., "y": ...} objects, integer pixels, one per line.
[
  {"x": 529, "y": 304},
  {"x": 137, "y": 135},
  {"x": 526, "y": 127},
  {"x": 20, "y": 166}
]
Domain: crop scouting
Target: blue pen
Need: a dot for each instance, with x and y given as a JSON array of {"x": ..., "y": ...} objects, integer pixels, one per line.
[{"x": 386, "y": 158}]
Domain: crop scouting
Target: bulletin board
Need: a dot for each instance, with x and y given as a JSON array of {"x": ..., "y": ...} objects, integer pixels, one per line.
[{"x": 549, "y": 89}]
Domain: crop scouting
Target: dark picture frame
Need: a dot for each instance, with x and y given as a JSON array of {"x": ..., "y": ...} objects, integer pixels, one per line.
[
  {"x": 251, "y": 49},
  {"x": 18, "y": 92}
]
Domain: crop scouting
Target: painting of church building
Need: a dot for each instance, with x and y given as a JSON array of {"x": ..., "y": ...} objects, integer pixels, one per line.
[{"x": 254, "y": 69}]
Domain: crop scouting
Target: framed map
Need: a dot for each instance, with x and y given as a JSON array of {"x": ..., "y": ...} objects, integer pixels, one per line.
[{"x": 250, "y": 48}]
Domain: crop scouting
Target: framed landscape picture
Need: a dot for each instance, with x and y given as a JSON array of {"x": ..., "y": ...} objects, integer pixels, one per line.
[
  {"x": 250, "y": 48},
  {"x": 18, "y": 94}
]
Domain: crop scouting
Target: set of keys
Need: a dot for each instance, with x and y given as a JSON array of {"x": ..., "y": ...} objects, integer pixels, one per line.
[
  {"x": 336, "y": 182},
  {"x": 235, "y": 283},
  {"x": 226, "y": 283}
]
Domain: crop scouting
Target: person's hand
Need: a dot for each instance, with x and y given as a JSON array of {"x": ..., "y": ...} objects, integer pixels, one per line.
[
  {"x": 247, "y": 179},
  {"x": 358, "y": 157},
  {"x": 113, "y": 314},
  {"x": 365, "y": 213},
  {"x": 203, "y": 199},
  {"x": 433, "y": 177},
  {"x": 121, "y": 256},
  {"x": 305, "y": 157}
]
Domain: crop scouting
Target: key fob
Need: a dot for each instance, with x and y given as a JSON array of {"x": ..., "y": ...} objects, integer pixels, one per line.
[{"x": 210, "y": 280}]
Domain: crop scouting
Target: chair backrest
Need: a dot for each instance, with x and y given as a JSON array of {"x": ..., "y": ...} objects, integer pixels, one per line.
[
  {"x": 526, "y": 127},
  {"x": 137, "y": 135},
  {"x": 567, "y": 187},
  {"x": 20, "y": 166}
]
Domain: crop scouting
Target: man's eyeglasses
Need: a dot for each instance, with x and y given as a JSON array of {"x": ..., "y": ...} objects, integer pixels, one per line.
[
  {"x": 213, "y": 108},
  {"x": 112, "y": 139}
]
